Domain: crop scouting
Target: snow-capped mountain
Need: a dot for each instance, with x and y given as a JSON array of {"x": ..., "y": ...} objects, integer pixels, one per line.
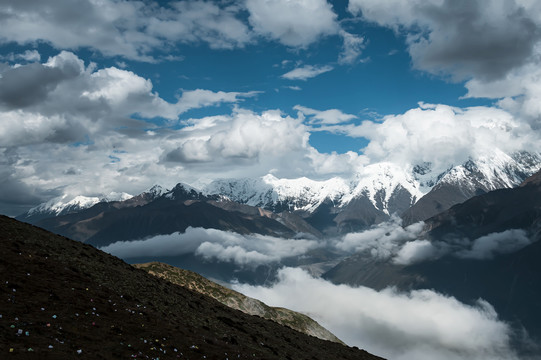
[
  {"x": 338, "y": 205},
  {"x": 474, "y": 177},
  {"x": 380, "y": 190},
  {"x": 380, "y": 183},
  {"x": 275, "y": 194},
  {"x": 66, "y": 204}
]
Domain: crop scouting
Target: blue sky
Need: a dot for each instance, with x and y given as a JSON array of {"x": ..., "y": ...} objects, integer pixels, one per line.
[{"x": 112, "y": 96}]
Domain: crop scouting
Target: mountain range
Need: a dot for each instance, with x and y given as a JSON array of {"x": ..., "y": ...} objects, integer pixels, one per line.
[
  {"x": 282, "y": 207},
  {"x": 479, "y": 227}
]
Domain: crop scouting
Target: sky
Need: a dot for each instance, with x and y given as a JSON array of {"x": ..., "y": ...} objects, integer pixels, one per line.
[{"x": 101, "y": 96}]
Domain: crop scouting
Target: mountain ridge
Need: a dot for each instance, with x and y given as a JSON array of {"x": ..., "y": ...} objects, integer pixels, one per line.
[
  {"x": 65, "y": 299},
  {"x": 238, "y": 301}
]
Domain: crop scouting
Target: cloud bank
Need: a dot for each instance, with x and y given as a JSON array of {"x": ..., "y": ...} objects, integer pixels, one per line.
[
  {"x": 442, "y": 135},
  {"x": 420, "y": 324},
  {"x": 211, "y": 244},
  {"x": 389, "y": 241}
]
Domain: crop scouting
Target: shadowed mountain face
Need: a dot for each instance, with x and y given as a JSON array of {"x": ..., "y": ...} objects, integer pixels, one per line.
[
  {"x": 105, "y": 223},
  {"x": 61, "y": 297},
  {"x": 238, "y": 301},
  {"x": 511, "y": 282}
]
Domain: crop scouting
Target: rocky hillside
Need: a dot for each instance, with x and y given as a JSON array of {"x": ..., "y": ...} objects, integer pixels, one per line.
[
  {"x": 61, "y": 299},
  {"x": 238, "y": 301}
]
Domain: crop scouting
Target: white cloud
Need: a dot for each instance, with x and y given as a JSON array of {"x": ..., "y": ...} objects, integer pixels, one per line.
[
  {"x": 242, "y": 250},
  {"x": 382, "y": 241},
  {"x": 486, "y": 247},
  {"x": 245, "y": 135},
  {"x": 389, "y": 241},
  {"x": 351, "y": 49},
  {"x": 28, "y": 55},
  {"x": 518, "y": 92},
  {"x": 420, "y": 324},
  {"x": 293, "y": 23},
  {"x": 332, "y": 116},
  {"x": 198, "y": 98},
  {"x": 483, "y": 39},
  {"x": 306, "y": 72},
  {"x": 63, "y": 101},
  {"x": 295, "y": 88},
  {"x": 416, "y": 251},
  {"x": 442, "y": 135},
  {"x": 131, "y": 29}
]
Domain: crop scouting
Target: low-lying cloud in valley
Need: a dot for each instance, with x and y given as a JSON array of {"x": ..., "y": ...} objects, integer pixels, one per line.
[
  {"x": 242, "y": 250},
  {"x": 408, "y": 245},
  {"x": 420, "y": 324}
]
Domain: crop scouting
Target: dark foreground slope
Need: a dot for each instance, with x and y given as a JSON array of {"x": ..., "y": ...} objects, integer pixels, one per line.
[{"x": 59, "y": 297}]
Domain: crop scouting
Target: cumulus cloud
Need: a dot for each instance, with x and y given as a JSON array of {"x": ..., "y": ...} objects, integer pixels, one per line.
[
  {"x": 211, "y": 244},
  {"x": 518, "y": 92},
  {"x": 482, "y": 39},
  {"x": 332, "y": 116},
  {"x": 61, "y": 100},
  {"x": 442, "y": 135},
  {"x": 419, "y": 324},
  {"x": 293, "y": 23},
  {"x": 494, "y": 45},
  {"x": 306, "y": 72},
  {"x": 245, "y": 135},
  {"x": 122, "y": 28}
]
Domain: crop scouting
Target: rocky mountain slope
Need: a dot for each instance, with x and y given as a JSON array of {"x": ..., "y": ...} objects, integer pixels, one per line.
[
  {"x": 62, "y": 299},
  {"x": 238, "y": 301},
  {"x": 173, "y": 211}
]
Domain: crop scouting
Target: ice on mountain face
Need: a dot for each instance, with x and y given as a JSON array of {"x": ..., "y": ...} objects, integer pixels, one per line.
[
  {"x": 378, "y": 182},
  {"x": 493, "y": 172},
  {"x": 61, "y": 205},
  {"x": 389, "y": 187},
  {"x": 182, "y": 191},
  {"x": 280, "y": 194},
  {"x": 381, "y": 182},
  {"x": 114, "y": 196},
  {"x": 156, "y": 191}
]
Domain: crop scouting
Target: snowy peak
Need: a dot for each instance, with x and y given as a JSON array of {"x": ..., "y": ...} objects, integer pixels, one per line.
[
  {"x": 473, "y": 177},
  {"x": 493, "y": 172},
  {"x": 276, "y": 194},
  {"x": 59, "y": 206},
  {"x": 383, "y": 183},
  {"x": 156, "y": 191},
  {"x": 65, "y": 204},
  {"x": 380, "y": 183},
  {"x": 183, "y": 191}
]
